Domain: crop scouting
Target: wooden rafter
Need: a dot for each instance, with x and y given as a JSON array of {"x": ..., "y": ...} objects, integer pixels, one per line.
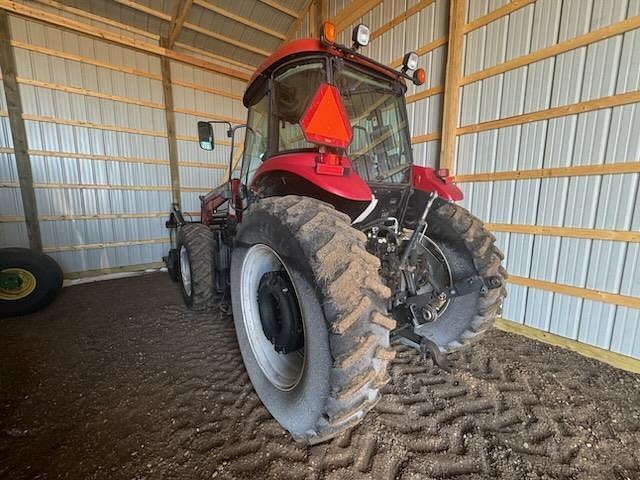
[
  {"x": 191, "y": 26},
  {"x": 143, "y": 8},
  {"x": 207, "y": 53},
  {"x": 226, "y": 39},
  {"x": 240, "y": 19},
  {"x": 90, "y": 16},
  {"x": 178, "y": 18},
  {"x": 90, "y": 30},
  {"x": 275, "y": 5},
  {"x": 296, "y": 23},
  {"x": 352, "y": 12}
]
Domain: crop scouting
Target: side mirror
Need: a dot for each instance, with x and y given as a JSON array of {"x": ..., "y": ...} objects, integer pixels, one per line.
[{"x": 205, "y": 136}]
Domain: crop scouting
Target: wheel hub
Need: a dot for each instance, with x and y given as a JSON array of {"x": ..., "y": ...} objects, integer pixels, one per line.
[
  {"x": 279, "y": 313},
  {"x": 16, "y": 283}
]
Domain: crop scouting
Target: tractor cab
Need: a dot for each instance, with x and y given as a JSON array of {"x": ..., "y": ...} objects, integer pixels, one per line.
[{"x": 328, "y": 122}]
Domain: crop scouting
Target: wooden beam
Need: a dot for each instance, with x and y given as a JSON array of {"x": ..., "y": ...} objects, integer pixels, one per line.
[
  {"x": 555, "y": 112},
  {"x": 226, "y": 39},
  {"x": 90, "y": 216},
  {"x": 18, "y": 133},
  {"x": 97, "y": 126},
  {"x": 88, "y": 93},
  {"x": 424, "y": 49},
  {"x": 417, "y": 8},
  {"x": 428, "y": 137},
  {"x": 569, "y": 232},
  {"x": 142, "y": 267},
  {"x": 90, "y": 30},
  {"x": 97, "y": 18},
  {"x": 86, "y": 60},
  {"x": 603, "y": 33},
  {"x": 614, "y": 359},
  {"x": 281, "y": 8},
  {"x": 174, "y": 171},
  {"x": 104, "y": 186},
  {"x": 93, "y": 246},
  {"x": 177, "y": 21},
  {"x": 212, "y": 91},
  {"x": 237, "y": 18},
  {"x": 144, "y": 9},
  {"x": 112, "y": 158},
  {"x": 496, "y": 14},
  {"x": 352, "y": 12},
  {"x": 429, "y": 92},
  {"x": 586, "y": 293},
  {"x": 552, "y": 172},
  {"x": 220, "y": 58},
  {"x": 450, "y": 107},
  {"x": 210, "y": 116},
  {"x": 296, "y": 23}
]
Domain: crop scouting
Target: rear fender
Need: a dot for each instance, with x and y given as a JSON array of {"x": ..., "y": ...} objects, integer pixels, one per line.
[
  {"x": 295, "y": 174},
  {"x": 426, "y": 180}
]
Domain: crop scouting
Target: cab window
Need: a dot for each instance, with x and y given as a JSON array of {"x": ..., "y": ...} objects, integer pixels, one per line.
[
  {"x": 256, "y": 136},
  {"x": 293, "y": 89}
]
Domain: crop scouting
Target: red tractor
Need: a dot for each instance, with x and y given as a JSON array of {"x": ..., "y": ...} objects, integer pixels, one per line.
[{"x": 332, "y": 243}]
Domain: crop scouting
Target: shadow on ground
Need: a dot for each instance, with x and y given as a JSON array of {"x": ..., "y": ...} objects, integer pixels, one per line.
[{"x": 118, "y": 380}]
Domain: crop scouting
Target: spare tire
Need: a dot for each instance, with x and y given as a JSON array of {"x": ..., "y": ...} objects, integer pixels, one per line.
[{"x": 29, "y": 281}]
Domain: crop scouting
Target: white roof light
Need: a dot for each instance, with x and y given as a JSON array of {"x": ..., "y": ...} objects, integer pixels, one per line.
[
  {"x": 410, "y": 61},
  {"x": 360, "y": 36}
]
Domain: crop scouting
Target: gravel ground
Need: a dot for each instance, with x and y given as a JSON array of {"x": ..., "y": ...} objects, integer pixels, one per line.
[{"x": 118, "y": 380}]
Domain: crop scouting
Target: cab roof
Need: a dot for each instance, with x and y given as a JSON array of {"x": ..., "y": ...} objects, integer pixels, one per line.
[{"x": 308, "y": 46}]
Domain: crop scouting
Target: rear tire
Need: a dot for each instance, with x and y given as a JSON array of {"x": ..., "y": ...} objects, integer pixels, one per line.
[
  {"x": 342, "y": 308},
  {"x": 40, "y": 281},
  {"x": 470, "y": 250},
  {"x": 195, "y": 259}
]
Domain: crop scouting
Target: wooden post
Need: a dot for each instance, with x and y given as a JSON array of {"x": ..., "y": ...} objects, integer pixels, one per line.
[
  {"x": 18, "y": 133},
  {"x": 318, "y": 13},
  {"x": 165, "y": 67},
  {"x": 453, "y": 74}
]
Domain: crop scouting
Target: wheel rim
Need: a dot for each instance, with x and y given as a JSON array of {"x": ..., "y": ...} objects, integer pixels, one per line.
[
  {"x": 437, "y": 255},
  {"x": 185, "y": 270},
  {"x": 284, "y": 371},
  {"x": 25, "y": 283}
]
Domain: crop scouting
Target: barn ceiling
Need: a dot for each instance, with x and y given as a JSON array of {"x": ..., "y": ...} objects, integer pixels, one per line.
[{"x": 244, "y": 31}]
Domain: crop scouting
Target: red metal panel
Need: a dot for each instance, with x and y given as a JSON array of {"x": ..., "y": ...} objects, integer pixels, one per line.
[
  {"x": 425, "y": 179},
  {"x": 303, "y": 164}
]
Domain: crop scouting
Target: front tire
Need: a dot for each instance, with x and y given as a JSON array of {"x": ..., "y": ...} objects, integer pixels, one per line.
[
  {"x": 333, "y": 379},
  {"x": 195, "y": 260}
]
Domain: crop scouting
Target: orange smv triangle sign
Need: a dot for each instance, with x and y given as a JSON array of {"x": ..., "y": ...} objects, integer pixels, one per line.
[{"x": 325, "y": 122}]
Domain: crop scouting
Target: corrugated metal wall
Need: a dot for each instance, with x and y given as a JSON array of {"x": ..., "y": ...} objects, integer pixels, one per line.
[
  {"x": 96, "y": 127},
  {"x": 605, "y": 136}
]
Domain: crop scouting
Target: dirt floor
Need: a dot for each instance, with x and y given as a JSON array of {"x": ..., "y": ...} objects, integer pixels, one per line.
[{"x": 118, "y": 380}]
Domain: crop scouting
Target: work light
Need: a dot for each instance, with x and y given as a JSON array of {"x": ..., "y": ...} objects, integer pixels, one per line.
[
  {"x": 410, "y": 61},
  {"x": 360, "y": 36}
]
